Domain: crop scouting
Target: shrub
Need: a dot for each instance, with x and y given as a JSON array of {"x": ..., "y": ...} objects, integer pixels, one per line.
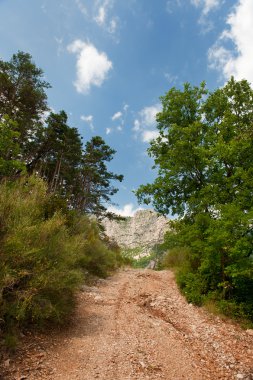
[
  {"x": 44, "y": 254},
  {"x": 175, "y": 257},
  {"x": 38, "y": 271}
]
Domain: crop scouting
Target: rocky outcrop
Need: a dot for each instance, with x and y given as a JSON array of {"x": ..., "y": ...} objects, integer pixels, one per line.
[{"x": 141, "y": 232}]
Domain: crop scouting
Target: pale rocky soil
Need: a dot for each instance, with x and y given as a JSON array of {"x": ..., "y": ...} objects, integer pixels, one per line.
[{"x": 136, "y": 326}]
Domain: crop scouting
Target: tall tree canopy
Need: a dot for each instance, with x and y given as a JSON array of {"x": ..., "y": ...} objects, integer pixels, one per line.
[
  {"x": 204, "y": 150},
  {"x": 204, "y": 158},
  {"x": 95, "y": 180},
  {"x": 48, "y": 181},
  {"x": 23, "y": 98},
  {"x": 48, "y": 146}
]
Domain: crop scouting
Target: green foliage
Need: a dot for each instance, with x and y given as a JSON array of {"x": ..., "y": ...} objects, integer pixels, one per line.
[
  {"x": 143, "y": 262},
  {"x": 47, "y": 244},
  {"x": 24, "y": 100},
  {"x": 38, "y": 274},
  {"x": 138, "y": 258},
  {"x": 9, "y": 149},
  {"x": 49, "y": 146},
  {"x": 175, "y": 257},
  {"x": 204, "y": 159},
  {"x": 94, "y": 183},
  {"x": 44, "y": 256}
]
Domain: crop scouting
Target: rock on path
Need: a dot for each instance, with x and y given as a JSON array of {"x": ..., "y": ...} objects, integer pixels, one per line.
[{"x": 136, "y": 326}]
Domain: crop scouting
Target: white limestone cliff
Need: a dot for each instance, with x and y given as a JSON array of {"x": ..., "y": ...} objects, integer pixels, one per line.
[{"x": 142, "y": 231}]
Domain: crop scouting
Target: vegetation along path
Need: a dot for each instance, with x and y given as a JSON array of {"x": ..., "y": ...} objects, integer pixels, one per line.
[{"x": 136, "y": 325}]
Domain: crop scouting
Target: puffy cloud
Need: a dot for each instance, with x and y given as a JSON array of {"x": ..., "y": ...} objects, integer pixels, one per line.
[
  {"x": 108, "y": 131},
  {"x": 147, "y": 136},
  {"x": 127, "y": 210},
  {"x": 89, "y": 120},
  {"x": 92, "y": 66},
  {"x": 148, "y": 115},
  {"x": 144, "y": 125},
  {"x": 238, "y": 60},
  {"x": 117, "y": 115}
]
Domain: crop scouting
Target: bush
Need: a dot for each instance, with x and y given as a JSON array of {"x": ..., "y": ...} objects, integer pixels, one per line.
[
  {"x": 175, "y": 257},
  {"x": 38, "y": 259},
  {"x": 44, "y": 255},
  {"x": 193, "y": 286},
  {"x": 240, "y": 311}
]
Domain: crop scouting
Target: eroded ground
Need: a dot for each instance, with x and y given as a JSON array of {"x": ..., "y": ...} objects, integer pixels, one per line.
[{"x": 136, "y": 326}]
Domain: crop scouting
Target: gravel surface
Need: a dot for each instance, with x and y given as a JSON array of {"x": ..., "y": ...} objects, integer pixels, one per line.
[{"x": 135, "y": 326}]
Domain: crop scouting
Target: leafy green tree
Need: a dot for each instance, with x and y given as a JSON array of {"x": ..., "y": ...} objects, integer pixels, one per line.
[
  {"x": 24, "y": 100},
  {"x": 94, "y": 184},
  {"x": 204, "y": 159},
  {"x": 9, "y": 149},
  {"x": 179, "y": 152},
  {"x": 60, "y": 154},
  {"x": 50, "y": 147}
]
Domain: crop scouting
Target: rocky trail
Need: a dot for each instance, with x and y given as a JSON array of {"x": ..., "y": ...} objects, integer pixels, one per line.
[{"x": 135, "y": 326}]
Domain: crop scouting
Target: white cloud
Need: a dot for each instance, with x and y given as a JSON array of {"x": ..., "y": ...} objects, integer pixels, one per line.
[
  {"x": 100, "y": 18},
  {"x": 100, "y": 12},
  {"x": 148, "y": 115},
  {"x": 206, "y": 7},
  {"x": 147, "y": 136},
  {"x": 117, "y": 115},
  {"x": 108, "y": 131},
  {"x": 89, "y": 120},
  {"x": 127, "y": 210},
  {"x": 145, "y": 125},
  {"x": 137, "y": 125},
  {"x": 92, "y": 65},
  {"x": 236, "y": 61}
]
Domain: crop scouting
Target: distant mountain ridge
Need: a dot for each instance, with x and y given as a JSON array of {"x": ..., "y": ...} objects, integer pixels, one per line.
[{"x": 139, "y": 233}]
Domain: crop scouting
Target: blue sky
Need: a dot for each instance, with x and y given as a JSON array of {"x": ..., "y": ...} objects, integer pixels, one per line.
[{"x": 109, "y": 61}]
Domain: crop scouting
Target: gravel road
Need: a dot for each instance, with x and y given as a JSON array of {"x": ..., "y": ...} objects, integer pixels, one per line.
[{"x": 135, "y": 326}]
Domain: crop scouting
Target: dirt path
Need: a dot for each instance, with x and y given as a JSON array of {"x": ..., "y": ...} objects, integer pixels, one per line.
[{"x": 136, "y": 326}]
